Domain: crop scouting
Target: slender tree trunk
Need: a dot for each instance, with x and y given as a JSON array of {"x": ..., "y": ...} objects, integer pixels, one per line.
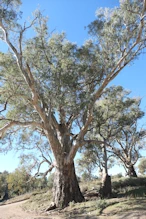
[
  {"x": 106, "y": 186},
  {"x": 66, "y": 188},
  {"x": 131, "y": 171},
  {"x": 6, "y": 195}
]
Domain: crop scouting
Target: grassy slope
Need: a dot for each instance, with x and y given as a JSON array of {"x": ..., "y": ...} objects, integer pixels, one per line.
[{"x": 129, "y": 195}]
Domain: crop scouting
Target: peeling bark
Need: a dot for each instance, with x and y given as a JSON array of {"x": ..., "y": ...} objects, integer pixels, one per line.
[
  {"x": 106, "y": 187},
  {"x": 131, "y": 171},
  {"x": 66, "y": 188}
]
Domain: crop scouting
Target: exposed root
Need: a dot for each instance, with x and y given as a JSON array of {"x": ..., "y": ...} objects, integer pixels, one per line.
[{"x": 51, "y": 207}]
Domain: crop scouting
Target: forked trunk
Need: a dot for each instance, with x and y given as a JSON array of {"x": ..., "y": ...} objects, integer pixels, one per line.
[
  {"x": 131, "y": 171},
  {"x": 106, "y": 187},
  {"x": 66, "y": 187}
]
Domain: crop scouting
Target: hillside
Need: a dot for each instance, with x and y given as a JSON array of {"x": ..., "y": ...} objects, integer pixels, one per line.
[{"x": 128, "y": 202}]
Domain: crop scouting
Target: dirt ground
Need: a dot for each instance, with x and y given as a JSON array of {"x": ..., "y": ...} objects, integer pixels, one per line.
[{"x": 14, "y": 211}]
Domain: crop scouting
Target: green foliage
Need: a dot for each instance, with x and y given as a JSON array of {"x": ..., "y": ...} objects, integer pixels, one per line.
[
  {"x": 142, "y": 166},
  {"x": 62, "y": 70},
  {"x": 135, "y": 192},
  {"x": 101, "y": 204},
  {"x": 50, "y": 181},
  {"x": 116, "y": 123},
  {"x": 86, "y": 176},
  {"x": 115, "y": 29},
  {"x": 117, "y": 176},
  {"x": 114, "y": 111},
  {"x": 39, "y": 183},
  {"x": 3, "y": 183},
  {"x": 18, "y": 182},
  {"x": 126, "y": 182},
  {"x": 9, "y": 12},
  {"x": 85, "y": 166},
  {"x": 114, "y": 132}
]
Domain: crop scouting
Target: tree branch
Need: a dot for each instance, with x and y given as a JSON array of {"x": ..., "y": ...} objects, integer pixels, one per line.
[
  {"x": 12, "y": 123},
  {"x": 5, "y": 107}
]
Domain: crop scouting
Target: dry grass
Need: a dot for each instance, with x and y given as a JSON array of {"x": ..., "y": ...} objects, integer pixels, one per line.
[
  {"x": 90, "y": 185},
  {"x": 124, "y": 205},
  {"x": 38, "y": 201},
  {"x": 18, "y": 198},
  {"x": 134, "y": 199}
]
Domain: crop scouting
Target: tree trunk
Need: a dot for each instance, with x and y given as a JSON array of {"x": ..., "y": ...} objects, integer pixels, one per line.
[
  {"x": 131, "y": 171},
  {"x": 106, "y": 187},
  {"x": 66, "y": 188}
]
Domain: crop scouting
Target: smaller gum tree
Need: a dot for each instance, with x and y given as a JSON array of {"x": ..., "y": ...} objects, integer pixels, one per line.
[
  {"x": 128, "y": 145},
  {"x": 115, "y": 125}
]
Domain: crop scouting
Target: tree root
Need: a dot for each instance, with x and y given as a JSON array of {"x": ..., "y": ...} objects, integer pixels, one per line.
[{"x": 51, "y": 207}]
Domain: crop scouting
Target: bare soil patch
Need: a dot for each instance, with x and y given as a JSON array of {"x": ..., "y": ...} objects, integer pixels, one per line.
[{"x": 14, "y": 211}]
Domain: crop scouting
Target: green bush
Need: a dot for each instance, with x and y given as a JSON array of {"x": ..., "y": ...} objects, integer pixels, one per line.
[
  {"x": 136, "y": 192},
  {"x": 117, "y": 176},
  {"x": 50, "y": 181},
  {"x": 125, "y": 182},
  {"x": 101, "y": 204}
]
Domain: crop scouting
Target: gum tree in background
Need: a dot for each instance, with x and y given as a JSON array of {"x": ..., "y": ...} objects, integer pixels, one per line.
[
  {"x": 127, "y": 146},
  {"x": 142, "y": 166},
  {"x": 50, "y": 85},
  {"x": 115, "y": 125}
]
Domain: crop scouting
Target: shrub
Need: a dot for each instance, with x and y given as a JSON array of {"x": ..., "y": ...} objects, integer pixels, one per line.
[
  {"x": 101, "y": 204},
  {"x": 50, "y": 181},
  {"x": 125, "y": 182},
  {"x": 117, "y": 176}
]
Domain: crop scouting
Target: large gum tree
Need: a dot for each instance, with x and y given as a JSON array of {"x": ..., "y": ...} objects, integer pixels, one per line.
[{"x": 50, "y": 85}]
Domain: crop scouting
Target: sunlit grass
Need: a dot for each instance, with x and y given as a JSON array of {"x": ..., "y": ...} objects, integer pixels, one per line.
[{"x": 130, "y": 195}]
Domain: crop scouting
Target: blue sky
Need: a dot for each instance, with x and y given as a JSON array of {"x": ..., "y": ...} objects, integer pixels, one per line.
[{"x": 71, "y": 16}]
